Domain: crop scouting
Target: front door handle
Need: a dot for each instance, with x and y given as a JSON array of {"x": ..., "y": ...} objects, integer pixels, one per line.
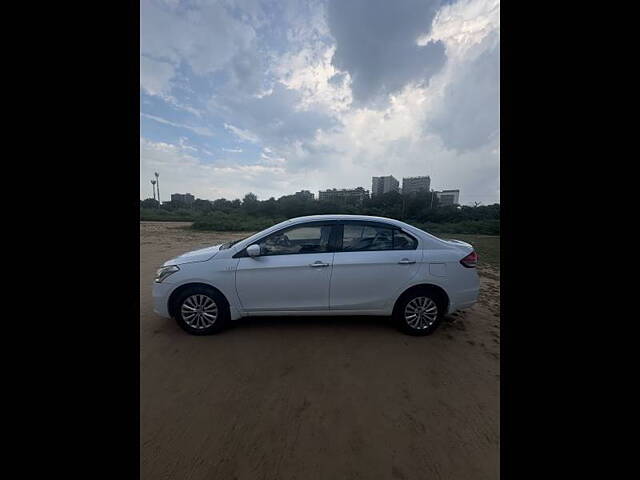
[
  {"x": 319, "y": 264},
  {"x": 406, "y": 261}
]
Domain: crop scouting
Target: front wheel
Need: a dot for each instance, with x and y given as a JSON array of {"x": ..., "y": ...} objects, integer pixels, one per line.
[
  {"x": 419, "y": 313},
  {"x": 201, "y": 311}
]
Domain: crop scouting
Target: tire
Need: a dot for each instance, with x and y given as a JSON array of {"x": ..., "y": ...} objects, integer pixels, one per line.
[
  {"x": 429, "y": 310},
  {"x": 210, "y": 311}
]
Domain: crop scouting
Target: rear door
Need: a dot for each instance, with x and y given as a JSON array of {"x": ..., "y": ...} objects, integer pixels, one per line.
[
  {"x": 372, "y": 262},
  {"x": 292, "y": 272}
]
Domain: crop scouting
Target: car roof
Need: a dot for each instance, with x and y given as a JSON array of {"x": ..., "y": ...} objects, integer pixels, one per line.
[{"x": 311, "y": 218}]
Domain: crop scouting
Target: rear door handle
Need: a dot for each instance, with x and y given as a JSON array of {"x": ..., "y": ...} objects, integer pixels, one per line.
[
  {"x": 406, "y": 261},
  {"x": 319, "y": 264}
]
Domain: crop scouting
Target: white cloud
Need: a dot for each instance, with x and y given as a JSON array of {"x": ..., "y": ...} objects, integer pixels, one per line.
[
  {"x": 394, "y": 141},
  {"x": 309, "y": 71},
  {"x": 402, "y": 139},
  {"x": 464, "y": 24},
  {"x": 244, "y": 135},
  {"x": 465, "y": 105},
  {"x": 158, "y": 78},
  {"x": 155, "y": 77},
  {"x": 298, "y": 105},
  {"x": 199, "y": 130},
  {"x": 181, "y": 171},
  {"x": 269, "y": 158},
  {"x": 467, "y": 113},
  {"x": 205, "y": 36}
]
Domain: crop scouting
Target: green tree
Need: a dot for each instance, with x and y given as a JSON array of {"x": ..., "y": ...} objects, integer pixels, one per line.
[{"x": 149, "y": 203}]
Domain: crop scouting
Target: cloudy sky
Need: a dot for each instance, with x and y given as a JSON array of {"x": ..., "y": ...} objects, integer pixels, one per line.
[{"x": 275, "y": 96}]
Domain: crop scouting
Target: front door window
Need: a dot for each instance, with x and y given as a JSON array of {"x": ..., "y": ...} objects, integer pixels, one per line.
[{"x": 297, "y": 240}]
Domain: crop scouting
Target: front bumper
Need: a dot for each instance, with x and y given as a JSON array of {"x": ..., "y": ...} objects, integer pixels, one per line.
[{"x": 161, "y": 293}]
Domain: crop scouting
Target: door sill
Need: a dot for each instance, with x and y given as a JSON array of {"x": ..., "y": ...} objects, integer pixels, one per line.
[{"x": 315, "y": 313}]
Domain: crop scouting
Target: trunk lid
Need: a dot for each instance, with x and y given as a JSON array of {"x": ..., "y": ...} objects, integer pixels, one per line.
[{"x": 463, "y": 246}]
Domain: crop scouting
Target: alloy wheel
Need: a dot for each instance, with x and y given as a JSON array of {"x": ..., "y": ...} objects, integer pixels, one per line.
[
  {"x": 420, "y": 313},
  {"x": 199, "y": 311}
]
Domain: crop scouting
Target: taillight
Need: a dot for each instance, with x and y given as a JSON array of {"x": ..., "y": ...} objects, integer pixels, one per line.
[{"x": 470, "y": 261}]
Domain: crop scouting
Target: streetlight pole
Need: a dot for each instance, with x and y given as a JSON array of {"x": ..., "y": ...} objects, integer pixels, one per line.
[{"x": 158, "y": 180}]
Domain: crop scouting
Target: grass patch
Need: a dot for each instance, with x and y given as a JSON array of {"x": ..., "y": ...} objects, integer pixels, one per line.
[
  {"x": 159, "y": 215},
  {"x": 477, "y": 227}
]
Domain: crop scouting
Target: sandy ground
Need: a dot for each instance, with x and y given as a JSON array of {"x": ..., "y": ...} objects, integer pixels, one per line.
[{"x": 315, "y": 398}]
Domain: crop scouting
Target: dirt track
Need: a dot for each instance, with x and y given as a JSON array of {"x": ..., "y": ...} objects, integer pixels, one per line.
[{"x": 321, "y": 398}]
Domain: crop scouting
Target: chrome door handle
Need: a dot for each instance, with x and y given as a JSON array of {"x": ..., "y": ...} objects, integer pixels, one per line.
[
  {"x": 406, "y": 261},
  {"x": 319, "y": 264}
]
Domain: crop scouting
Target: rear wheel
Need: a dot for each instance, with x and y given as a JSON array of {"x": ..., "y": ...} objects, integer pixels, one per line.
[
  {"x": 419, "y": 313},
  {"x": 201, "y": 311}
]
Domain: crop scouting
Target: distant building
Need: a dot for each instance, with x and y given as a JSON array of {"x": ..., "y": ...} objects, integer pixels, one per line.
[
  {"x": 380, "y": 185},
  {"x": 448, "y": 197},
  {"x": 346, "y": 195},
  {"x": 415, "y": 184},
  {"x": 184, "y": 198},
  {"x": 305, "y": 194}
]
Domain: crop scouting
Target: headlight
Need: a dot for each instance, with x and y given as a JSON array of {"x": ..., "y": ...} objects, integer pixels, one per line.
[{"x": 164, "y": 272}]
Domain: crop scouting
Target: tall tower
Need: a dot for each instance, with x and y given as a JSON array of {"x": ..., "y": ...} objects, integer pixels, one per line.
[
  {"x": 153, "y": 185},
  {"x": 157, "y": 180}
]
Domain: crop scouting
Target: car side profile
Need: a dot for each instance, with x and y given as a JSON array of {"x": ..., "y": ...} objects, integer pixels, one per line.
[{"x": 321, "y": 265}]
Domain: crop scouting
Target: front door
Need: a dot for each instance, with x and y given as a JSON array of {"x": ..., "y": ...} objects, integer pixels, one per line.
[{"x": 292, "y": 272}]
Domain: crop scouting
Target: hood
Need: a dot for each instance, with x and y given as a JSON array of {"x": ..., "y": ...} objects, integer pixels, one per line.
[{"x": 201, "y": 255}]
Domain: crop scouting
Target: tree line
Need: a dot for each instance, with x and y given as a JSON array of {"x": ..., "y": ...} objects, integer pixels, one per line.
[{"x": 420, "y": 209}]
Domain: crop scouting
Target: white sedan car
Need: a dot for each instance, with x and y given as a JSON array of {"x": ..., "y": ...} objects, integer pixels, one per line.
[{"x": 321, "y": 265}]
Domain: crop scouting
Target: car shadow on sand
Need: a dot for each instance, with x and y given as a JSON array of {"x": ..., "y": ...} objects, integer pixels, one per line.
[
  {"x": 323, "y": 322},
  {"x": 313, "y": 321}
]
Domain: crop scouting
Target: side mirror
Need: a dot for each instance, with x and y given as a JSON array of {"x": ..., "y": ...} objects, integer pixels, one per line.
[{"x": 253, "y": 250}]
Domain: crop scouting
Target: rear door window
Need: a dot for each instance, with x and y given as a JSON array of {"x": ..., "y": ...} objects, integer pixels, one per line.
[
  {"x": 403, "y": 241},
  {"x": 362, "y": 237}
]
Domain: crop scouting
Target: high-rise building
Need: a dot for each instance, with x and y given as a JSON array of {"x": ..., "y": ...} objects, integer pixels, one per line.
[
  {"x": 380, "y": 185},
  {"x": 185, "y": 198},
  {"x": 306, "y": 194},
  {"x": 346, "y": 195},
  {"x": 449, "y": 197},
  {"x": 415, "y": 184}
]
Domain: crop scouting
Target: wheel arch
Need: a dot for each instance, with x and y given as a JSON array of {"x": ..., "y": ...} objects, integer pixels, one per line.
[
  {"x": 171, "y": 303},
  {"x": 440, "y": 292}
]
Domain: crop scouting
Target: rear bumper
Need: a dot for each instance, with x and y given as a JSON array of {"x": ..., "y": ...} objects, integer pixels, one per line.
[{"x": 464, "y": 299}]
